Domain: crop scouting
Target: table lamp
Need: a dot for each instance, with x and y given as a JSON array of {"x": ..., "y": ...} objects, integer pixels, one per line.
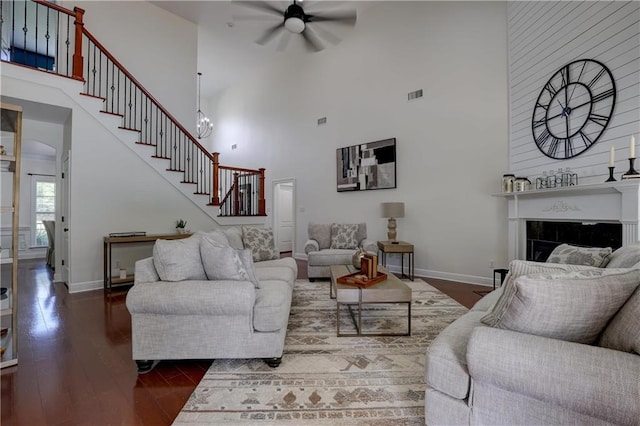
[{"x": 392, "y": 211}]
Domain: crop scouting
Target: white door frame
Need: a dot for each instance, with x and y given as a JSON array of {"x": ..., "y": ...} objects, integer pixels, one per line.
[
  {"x": 274, "y": 225},
  {"x": 65, "y": 241}
]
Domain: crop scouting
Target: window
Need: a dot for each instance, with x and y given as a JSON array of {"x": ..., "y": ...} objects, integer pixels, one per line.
[{"x": 43, "y": 208}]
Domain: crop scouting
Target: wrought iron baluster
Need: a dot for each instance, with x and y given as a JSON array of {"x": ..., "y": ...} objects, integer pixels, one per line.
[
  {"x": 35, "y": 54},
  {"x": 47, "y": 36},
  {"x": 68, "y": 43},
  {"x": 24, "y": 31},
  {"x": 93, "y": 72},
  {"x": 2, "y": 25}
]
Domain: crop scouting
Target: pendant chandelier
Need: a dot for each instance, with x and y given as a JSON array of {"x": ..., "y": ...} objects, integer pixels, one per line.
[{"x": 204, "y": 125}]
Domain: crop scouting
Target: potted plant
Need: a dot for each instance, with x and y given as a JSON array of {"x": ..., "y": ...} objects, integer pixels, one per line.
[{"x": 181, "y": 226}]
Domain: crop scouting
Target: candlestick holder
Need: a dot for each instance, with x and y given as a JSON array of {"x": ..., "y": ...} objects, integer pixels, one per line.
[
  {"x": 611, "y": 178},
  {"x": 631, "y": 173}
]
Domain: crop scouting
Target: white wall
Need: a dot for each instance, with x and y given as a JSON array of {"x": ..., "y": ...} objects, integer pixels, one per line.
[
  {"x": 543, "y": 37},
  {"x": 451, "y": 144},
  {"x": 157, "y": 47}
]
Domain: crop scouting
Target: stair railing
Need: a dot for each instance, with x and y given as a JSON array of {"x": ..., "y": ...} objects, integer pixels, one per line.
[{"x": 107, "y": 79}]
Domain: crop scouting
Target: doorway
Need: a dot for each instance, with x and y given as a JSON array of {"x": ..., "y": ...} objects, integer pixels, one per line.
[{"x": 284, "y": 215}]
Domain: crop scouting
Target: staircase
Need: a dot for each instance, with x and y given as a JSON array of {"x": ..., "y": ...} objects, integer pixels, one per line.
[{"x": 42, "y": 35}]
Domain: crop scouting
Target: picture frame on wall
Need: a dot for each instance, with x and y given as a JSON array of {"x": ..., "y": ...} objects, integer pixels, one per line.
[{"x": 367, "y": 166}]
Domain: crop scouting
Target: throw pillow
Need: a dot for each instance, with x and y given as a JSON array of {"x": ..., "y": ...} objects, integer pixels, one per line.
[
  {"x": 344, "y": 236},
  {"x": 625, "y": 257},
  {"x": 234, "y": 235},
  {"x": 221, "y": 262},
  {"x": 261, "y": 243},
  {"x": 178, "y": 260},
  {"x": 518, "y": 268},
  {"x": 574, "y": 255},
  {"x": 321, "y": 232},
  {"x": 247, "y": 261},
  {"x": 571, "y": 306},
  {"x": 362, "y": 232},
  {"x": 216, "y": 235},
  {"x": 623, "y": 332}
]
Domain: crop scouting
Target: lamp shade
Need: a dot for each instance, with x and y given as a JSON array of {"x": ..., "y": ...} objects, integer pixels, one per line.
[{"x": 393, "y": 210}]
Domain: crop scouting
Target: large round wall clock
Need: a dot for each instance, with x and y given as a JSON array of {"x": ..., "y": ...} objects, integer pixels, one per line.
[{"x": 573, "y": 109}]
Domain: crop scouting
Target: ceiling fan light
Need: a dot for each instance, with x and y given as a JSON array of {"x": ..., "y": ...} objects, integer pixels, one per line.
[{"x": 294, "y": 24}]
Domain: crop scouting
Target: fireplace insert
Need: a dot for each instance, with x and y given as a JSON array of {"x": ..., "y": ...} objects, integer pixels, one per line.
[{"x": 544, "y": 236}]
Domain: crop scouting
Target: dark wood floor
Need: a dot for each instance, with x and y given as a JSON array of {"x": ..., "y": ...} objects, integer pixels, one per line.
[{"x": 75, "y": 364}]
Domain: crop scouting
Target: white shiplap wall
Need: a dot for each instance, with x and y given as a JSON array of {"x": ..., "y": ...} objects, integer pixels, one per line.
[{"x": 544, "y": 36}]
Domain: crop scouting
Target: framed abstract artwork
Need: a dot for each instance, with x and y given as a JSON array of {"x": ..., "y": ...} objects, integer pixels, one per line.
[{"x": 369, "y": 165}]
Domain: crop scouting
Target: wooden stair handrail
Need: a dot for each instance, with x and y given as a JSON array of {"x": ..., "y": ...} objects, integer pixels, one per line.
[
  {"x": 55, "y": 7},
  {"x": 146, "y": 92}
]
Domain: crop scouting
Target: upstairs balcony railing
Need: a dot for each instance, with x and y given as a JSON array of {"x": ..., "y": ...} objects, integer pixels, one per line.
[{"x": 46, "y": 36}]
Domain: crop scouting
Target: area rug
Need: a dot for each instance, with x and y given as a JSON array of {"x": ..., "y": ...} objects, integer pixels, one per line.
[{"x": 329, "y": 380}]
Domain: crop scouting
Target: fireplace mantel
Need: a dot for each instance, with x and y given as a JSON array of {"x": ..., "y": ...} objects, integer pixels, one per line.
[{"x": 613, "y": 202}]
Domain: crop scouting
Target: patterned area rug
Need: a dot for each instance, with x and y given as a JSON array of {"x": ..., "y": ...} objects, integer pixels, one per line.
[{"x": 324, "y": 379}]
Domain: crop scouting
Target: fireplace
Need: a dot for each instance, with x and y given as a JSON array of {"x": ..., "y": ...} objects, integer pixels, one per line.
[
  {"x": 607, "y": 215},
  {"x": 544, "y": 236}
]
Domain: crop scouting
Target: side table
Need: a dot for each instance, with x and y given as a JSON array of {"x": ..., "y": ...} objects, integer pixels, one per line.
[
  {"x": 109, "y": 242},
  {"x": 401, "y": 247}
]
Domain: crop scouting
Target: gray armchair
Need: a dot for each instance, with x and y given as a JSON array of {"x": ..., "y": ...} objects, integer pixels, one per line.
[{"x": 334, "y": 244}]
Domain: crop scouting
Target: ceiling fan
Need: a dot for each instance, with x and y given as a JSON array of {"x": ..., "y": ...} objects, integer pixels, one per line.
[{"x": 294, "y": 20}]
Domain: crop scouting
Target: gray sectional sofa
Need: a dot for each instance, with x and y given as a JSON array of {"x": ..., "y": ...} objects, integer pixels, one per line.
[
  {"x": 204, "y": 308},
  {"x": 556, "y": 344}
]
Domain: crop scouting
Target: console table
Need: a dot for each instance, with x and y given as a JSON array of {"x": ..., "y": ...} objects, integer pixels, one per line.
[
  {"x": 109, "y": 242},
  {"x": 400, "y": 247}
]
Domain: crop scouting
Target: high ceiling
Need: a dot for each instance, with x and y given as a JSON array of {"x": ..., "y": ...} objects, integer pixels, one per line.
[{"x": 227, "y": 32}]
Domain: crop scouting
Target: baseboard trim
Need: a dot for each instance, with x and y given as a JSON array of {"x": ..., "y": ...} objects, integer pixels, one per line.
[
  {"x": 86, "y": 286},
  {"x": 428, "y": 273}
]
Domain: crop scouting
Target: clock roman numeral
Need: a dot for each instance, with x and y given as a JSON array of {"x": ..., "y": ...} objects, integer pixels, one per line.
[
  {"x": 538, "y": 123},
  {"x": 565, "y": 75},
  {"x": 545, "y": 107},
  {"x": 604, "y": 95},
  {"x": 542, "y": 138},
  {"x": 551, "y": 89},
  {"x": 587, "y": 141},
  {"x": 596, "y": 78},
  {"x": 553, "y": 147},
  {"x": 568, "y": 148},
  {"x": 599, "y": 119}
]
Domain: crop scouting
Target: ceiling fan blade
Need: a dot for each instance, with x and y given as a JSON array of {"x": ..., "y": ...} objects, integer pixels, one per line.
[
  {"x": 311, "y": 40},
  {"x": 271, "y": 18},
  {"x": 326, "y": 35},
  {"x": 347, "y": 17},
  {"x": 262, "y": 6},
  {"x": 284, "y": 41},
  {"x": 270, "y": 34}
]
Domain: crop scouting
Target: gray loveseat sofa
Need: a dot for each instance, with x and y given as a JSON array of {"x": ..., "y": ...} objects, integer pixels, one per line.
[
  {"x": 497, "y": 365},
  {"x": 196, "y": 312},
  {"x": 334, "y": 244}
]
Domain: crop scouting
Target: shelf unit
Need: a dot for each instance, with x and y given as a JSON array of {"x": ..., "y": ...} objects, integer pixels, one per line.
[{"x": 11, "y": 124}]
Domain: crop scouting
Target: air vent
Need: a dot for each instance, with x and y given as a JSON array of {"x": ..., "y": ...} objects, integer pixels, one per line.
[
  {"x": 322, "y": 121},
  {"x": 414, "y": 95}
]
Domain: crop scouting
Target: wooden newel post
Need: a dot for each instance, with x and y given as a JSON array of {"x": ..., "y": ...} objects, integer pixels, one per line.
[
  {"x": 236, "y": 195},
  {"x": 215, "y": 200},
  {"x": 77, "y": 52},
  {"x": 262, "y": 205}
]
